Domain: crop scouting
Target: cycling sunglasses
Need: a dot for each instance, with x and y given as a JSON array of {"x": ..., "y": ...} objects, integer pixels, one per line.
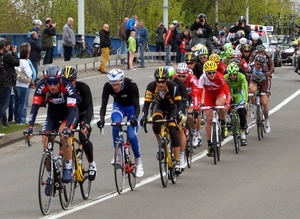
[
  {"x": 52, "y": 82},
  {"x": 161, "y": 82},
  {"x": 181, "y": 76},
  {"x": 211, "y": 72}
]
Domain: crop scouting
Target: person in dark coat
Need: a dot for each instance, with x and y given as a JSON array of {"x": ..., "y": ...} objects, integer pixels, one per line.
[{"x": 35, "y": 52}]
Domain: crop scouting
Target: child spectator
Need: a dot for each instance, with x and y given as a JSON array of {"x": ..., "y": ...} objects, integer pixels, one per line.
[{"x": 131, "y": 48}]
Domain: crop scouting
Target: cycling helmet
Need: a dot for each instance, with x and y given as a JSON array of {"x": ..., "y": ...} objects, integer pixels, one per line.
[
  {"x": 227, "y": 46},
  {"x": 240, "y": 34},
  {"x": 182, "y": 68},
  {"x": 197, "y": 47},
  {"x": 229, "y": 52},
  {"x": 190, "y": 57},
  {"x": 215, "y": 58},
  {"x": 37, "y": 22},
  {"x": 171, "y": 71},
  {"x": 216, "y": 51},
  {"x": 246, "y": 47},
  {"x": 201, "y": 15},
  {"x": 202, "y": 51},
  {"x": 236, "y": 54},
  {"x": 232, "y": 68},
  {"x": 3, "y": 42},
  {"x": 242, "y": 18},
  {"x": 236, "y": 61},
  {"x": 52, "y": 73},
  {"x": 254, "y": 36},
  {"x": 69, "y": 72},
  {"x": 260, "y": 48},
  {"x": 115, "y": 76},
  {"x": 161, "y": 74},
  {"x": 259, "y": 58},
  {"x": 210, "y": 66},
  {"x": 243, "y": 41}
]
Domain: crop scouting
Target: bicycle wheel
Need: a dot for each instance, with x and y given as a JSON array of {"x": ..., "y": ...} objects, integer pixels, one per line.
[
  {"x": 67, "y": 190},
  {"x": 85, "y": 185},
  {"x": 258, "y": 122},
  {"x": 162, "y": 160},
  {"x": 234, "y": 133},
  {"x": 262, "y": 126},
  {"x": 132, "y": 170},
  {"x": 44, "y": 180},
  {"x": 173, "y": 175},
  {"x": 119, "y": 167},
  {"x": 189, "y": 149},
  {"x": 219, "y": 142},
  {"x": 214, "y": 141}
]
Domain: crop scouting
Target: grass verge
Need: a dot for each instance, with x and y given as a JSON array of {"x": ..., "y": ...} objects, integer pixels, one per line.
[{"x": 12, "y": 127}]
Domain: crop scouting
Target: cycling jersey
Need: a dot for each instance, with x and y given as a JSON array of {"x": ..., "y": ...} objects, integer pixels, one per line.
[
  {"x": 221, "y": 68},
  {"x": 198, "y": 70},
  {"x": 213, "y": 89},
  {"x": 168, "y": 99},
  {"x": 262, "y": 77},
  {"x": 268, "y": 57},
  {"x": 61, "y": 105},
  {"x": 191, "y": 85},
  {"x": 238, "y": 88},
  {"x": 244, "y": 65},
  {"x": 183, "y": 93},
  {"x": 129, "y": 95},
  {"x": 85, "y": 102}
]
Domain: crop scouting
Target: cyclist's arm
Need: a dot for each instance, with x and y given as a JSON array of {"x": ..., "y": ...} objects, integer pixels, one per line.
[
  {"x": 195, "y": 90},
  {"x": 183, "y": 93},
  {"x": 135, "y": 98},
  {"x": 148, "y": 99},
  {"x": 87, "y": 102},
  {"x": 105, "y": 96},
  {"x": 71, "y": 98},
  {"x": 244, "y": 85}
]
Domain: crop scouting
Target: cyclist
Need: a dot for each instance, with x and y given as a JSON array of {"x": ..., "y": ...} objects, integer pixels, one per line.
[
  {"x": 261, "y": 50},
  {"x": 238, "y": 86},
  {"x": 225, "y": 47},
  {"x": 169, "y": 104},
  {"x": 196, "y": 67},
  {"x": 217, "y": 59},
  {"x": 255, "y": 40},
  {"x": 244, "y": 67},
  {"x": 126, "y": 103},
  {"x": 86, "y": 112},
  {"x": 59, "y": 93},
  {"x": 246, "y": 50},
  {"x": 260, "y": 78},
  {"x": 216, "y": 94},
  {"x": 228, "y": 55},
  {"x": 191, "y": 84},
  {"x": 202, "y": 55},
  {"x": 185, "y": 104}
]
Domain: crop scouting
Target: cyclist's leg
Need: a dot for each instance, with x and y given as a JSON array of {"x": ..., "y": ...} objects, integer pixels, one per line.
[
  {"x": 117, "y": 115},
  {"x": 241, "y": 110},
  {"x": 208, "y": 101},
  {"x": 252, "y": 90},
  {"x": 264, "y": 102},
  {"x": 175, "y": 144},
  {"x": 220, "y": 101},
  {"x": 158, "y": 113}
]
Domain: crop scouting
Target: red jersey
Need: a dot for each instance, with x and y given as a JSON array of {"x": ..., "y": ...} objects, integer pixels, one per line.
[
  {"x": 244, "y": 65},
  {"x": 215, "y": 87},
  {"x": 191, "y": 85},
  {"x": 221, "y": 68}
]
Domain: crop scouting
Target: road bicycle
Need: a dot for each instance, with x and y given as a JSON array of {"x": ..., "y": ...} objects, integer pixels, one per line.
[
  {"x": 81, "y": 164},
  {"x": 82, "y": 48},
  {"x": 235, "y": 126},
  {"x": 124, "y": 160},
  {"x": 165, "y": 156},
  {"x": 50, "y": 173},
  {"x": 260, "y": 118},
  {"x": 216, "y": 136},
  {"x": 189, "y": 139}
]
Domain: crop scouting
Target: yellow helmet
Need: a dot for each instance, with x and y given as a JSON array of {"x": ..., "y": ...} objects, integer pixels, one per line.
[
  {"x": 214, "y": 58},
  {"x": 210, "y": 66}
]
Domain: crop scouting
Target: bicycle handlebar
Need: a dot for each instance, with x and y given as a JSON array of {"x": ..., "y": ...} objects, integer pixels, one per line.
[
  {"x": 259, "y": 94},
  {"x": 212, "y": 107},
  {"x": 116, "y": 124}
]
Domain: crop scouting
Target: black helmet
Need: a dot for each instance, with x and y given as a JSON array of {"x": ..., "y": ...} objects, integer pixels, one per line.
[
  {"x": 260, "y": 48},
  {"x": 161, "y": 74},
  {"x": 2, "y": 42},
  {"x": 201, "y": 15},
  {"x": 259, "y": 58},
  {"x": 52, "y": 73},
  {"x": 246, "y": 47},
  {"x": 216, "y": 51},
  {"x": 69, "y": 72},
  {"x": 242, "y": 18},
  {"x": 190, "y": 57}
]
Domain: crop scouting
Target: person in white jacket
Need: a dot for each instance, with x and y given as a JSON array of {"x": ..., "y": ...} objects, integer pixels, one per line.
[{"x": 21, "y": 88}]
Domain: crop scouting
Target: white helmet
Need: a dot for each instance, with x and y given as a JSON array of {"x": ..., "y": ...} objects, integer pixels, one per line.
[
  {"x": 182, "y": 68},
  {"x": 243, "y": 40},
  {"x": 37, "y": 22},
  {"x": 115, "y": 76},
  {"x": 254, "y": 36}
]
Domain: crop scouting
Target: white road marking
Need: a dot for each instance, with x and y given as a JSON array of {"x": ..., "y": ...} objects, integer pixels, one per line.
[{"x": 156, "y": 176}]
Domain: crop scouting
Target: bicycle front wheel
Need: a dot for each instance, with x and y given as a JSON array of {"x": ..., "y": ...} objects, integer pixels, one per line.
[
  {"x": 86, "y": 184},
  {"x": 189, "y": 150},
  {"x": 162, "y": 160},
  {"x": 235, "y": 133},
  {"x": 131, "y": 170},
  {"x": 258, "y": 122},
  {"x": 45, "y": 183},
  {"x": 214, "y": 141},
  {"x": 119, "y": 167}
]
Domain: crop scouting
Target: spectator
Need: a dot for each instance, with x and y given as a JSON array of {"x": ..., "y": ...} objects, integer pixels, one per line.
[
  {"x": 200, "y": 39},
  {"x": 35, "y": 51},
  {"x": 142, "y": 38},
  {"x": 37, "y": 25},
  {"x": 201, "y": 22},
  {"x": 10, "y": 60},
  {"x": 21, "y": 88},
  {"x": 183, "y": 40},
  {"x": 105, "y": 45},
  {"x": 130, "y": 25},
  {"x": 47, "y": 32},
  {"x": 2, "y": 69},
  {"x": 175, "y": 46},
  {"x": 122, "y": 37},
  {"x": 215, "y": 31},
  {"x": 11, "y": 106},
  {"x": 68, "y": 39},
  {"x": 160, "y": 41},
  {"x": 169, "y": 43},
  {"x": 131, "y": 48},
  {"x": 223, "y": 30},
  {"x": 241, "y": 25}
]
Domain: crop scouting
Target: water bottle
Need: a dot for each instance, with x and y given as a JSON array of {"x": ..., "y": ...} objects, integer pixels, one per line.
[{"x": 79, "y": 155}]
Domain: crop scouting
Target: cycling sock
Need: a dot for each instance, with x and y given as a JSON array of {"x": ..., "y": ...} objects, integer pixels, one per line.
[
  {"x": 92, "y": 164},
  {"x": 138, "y": 160},
  {"x": 68, "y": 164},
  {"x": 222, "y": 122}
]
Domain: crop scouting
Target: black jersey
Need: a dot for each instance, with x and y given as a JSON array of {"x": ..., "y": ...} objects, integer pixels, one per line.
[
  {"x": 129, "y": 95},
  {"x": 84, "y": 102}
]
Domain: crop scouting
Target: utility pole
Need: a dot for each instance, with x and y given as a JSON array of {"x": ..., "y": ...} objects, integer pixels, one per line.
[
  {"x": 247, "y": 12},
  {"x": 81, "y": 18},
  {"x": 217, "y": 12},
  {"x": 165, "y": 13}
]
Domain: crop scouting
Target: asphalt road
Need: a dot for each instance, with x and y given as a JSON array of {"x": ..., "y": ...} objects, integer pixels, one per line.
[{"x": 262, "y": 181}]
